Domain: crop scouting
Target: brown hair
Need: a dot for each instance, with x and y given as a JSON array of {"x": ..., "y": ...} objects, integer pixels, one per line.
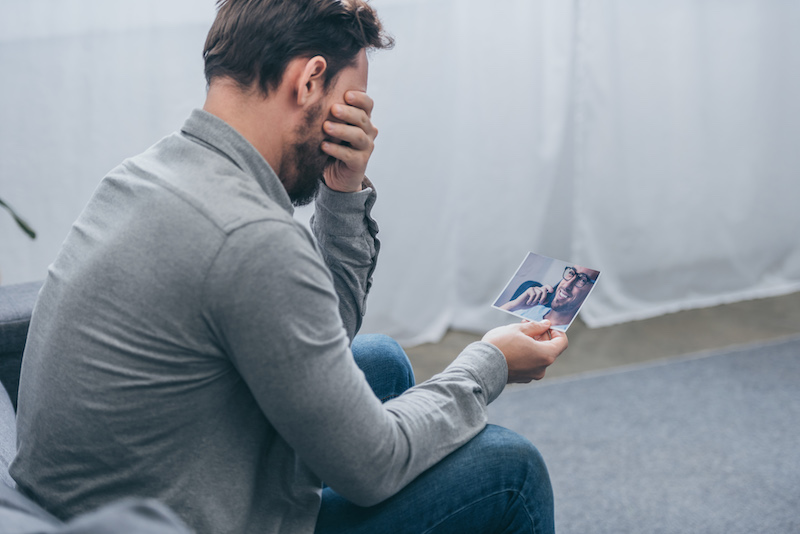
[{"x": 254, "y": 40}]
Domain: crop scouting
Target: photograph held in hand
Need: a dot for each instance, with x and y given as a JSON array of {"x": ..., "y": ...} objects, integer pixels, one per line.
[{"x": 546, "y": 288}]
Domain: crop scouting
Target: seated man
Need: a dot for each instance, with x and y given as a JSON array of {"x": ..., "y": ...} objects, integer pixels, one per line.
[
  {"x": 558, "y": 305},
  {"x": 192, "y": 341}
]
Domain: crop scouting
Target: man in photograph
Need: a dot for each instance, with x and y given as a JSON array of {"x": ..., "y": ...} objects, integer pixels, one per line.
[
  {"x": 558, "y": 304},
  {"x": 195, "y": 344}
]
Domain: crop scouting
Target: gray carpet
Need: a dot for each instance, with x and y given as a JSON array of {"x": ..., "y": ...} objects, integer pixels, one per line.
[{"x": 703, "y": 444}]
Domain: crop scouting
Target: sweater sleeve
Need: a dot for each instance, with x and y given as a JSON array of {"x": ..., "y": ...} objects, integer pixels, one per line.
[
  {"x": 274, "y": 310},
  {"x": 347, "y": 236}
]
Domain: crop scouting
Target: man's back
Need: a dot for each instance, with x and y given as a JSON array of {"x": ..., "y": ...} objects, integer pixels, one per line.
[{"x": 126, "y": 385}]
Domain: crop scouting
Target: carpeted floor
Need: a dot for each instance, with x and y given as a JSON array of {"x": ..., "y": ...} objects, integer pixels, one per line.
[{"x": 708, "y": 443}]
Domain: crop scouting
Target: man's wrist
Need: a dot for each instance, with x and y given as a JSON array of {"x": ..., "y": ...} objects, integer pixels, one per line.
[
  {"x": 365, "y": 183},
  {"x": 343, "y": 214}
]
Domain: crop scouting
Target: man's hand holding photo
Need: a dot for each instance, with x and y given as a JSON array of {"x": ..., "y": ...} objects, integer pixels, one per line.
[{"x": 530, "y": 348}]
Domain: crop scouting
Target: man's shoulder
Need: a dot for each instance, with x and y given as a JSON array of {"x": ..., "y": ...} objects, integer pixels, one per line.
[
  {"x": 198, "y": 181},
  {"x": 535, "y": 313}
]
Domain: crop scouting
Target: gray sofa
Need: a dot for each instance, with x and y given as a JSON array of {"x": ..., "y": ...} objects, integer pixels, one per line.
[{"x": 19, "y": 514}]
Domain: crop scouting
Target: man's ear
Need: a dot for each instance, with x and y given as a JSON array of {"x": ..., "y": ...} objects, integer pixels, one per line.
[{"x": 310, "y": 85}]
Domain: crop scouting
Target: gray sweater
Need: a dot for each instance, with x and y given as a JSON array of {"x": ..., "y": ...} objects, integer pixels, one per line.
[{"x": 191, "y": 343}]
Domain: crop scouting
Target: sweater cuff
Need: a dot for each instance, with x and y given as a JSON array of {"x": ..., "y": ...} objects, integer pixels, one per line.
[
  {"x": 344, "y": 214},
  {"x": 487, "y": 365}
]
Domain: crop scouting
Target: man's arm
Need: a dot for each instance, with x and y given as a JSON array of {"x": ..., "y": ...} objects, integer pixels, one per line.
[
  {"x": 530, "y": 297},
  {"x": 342, "y": 222},
  {"x": 347, "y": 237},
  {"x": 274, "y": 311}
]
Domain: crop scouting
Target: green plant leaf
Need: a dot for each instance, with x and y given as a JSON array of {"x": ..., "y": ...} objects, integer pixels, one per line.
[{"x": 22, "y": 224}]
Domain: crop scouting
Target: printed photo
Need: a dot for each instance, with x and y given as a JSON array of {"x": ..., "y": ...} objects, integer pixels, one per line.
[{"x": 546, "y": 288}]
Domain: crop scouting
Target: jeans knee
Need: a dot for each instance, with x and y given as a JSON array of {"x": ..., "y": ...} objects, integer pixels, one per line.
[
  {"x": 392, "y": 356},
  {"x": 521, "y": 470},
  {"x": 516, "y": 456},
  {"x": 377, "y": 343},
  {"x": 520, "y": 447},
  {"x": 384, "y": 363}
]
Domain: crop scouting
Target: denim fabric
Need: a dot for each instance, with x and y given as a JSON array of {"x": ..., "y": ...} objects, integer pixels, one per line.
[
  {"x": 384, "y": 363},
  {"x": 496, "y": 483}
]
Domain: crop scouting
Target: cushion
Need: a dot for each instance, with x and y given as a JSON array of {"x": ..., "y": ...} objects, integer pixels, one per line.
[
  {"x": 16, "y": 306},
  {"x": 20, "y": 515},
  {"x": 8, "y": 437}
]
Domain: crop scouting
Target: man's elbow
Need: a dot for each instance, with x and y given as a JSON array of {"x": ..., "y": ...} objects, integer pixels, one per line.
[
  {"x": 367, "y": 490},
  {"x": 366, "y": 497}
]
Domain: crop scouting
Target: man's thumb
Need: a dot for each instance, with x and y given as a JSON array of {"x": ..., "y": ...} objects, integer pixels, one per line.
[{"x": 534, "y": 328}]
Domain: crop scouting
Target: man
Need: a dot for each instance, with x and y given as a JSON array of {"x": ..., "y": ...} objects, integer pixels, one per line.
[
  {"x": 192, "y": 341},
  {"x": 558, "y": 305}
]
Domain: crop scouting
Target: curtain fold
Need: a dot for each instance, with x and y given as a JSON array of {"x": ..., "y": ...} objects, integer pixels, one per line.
[{"x": 687, "y": 155}]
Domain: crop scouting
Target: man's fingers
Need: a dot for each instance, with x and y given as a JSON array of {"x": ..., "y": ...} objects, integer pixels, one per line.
[
  {"x": 541, "y": 331},
  {"x": 345, "y": 154},
  {"x": 535, "y": 328},
  {"x": 350, "y": 140},
  {"x": 360, "y": 100},
  {"x": 353, "y": 135},
  {"x": 535, "y": 296},
  {"x": 529, "y": 348},
  {"x": 558, "y": 340},
  {"x": 355, "y": 116},
  {"x": 551, "y": 348}
]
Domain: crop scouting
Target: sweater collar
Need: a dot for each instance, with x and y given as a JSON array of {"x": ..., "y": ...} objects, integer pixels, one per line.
[{"x": 221, "y": 136}]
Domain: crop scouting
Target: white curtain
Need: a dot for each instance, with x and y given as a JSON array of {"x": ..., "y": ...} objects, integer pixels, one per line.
[
  {"x": 656, "y": 141},
  {"x": 85, "y": 84},
  {"x": 687, "y": 160}
]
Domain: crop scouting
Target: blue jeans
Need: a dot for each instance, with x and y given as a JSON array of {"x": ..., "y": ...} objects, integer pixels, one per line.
[{"x": 497, "y": 482}]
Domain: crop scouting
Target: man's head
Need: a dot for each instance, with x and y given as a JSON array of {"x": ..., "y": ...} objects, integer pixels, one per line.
[
  {"x": 573, "y": 289},
  {"x": 253, "y": 41},
  {"x": 306, "y": 53}
]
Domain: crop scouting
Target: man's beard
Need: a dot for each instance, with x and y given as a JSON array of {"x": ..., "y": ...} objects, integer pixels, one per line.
[
  {"x": 565, "y": 307},
  {"x": 306, "y": 163},
  {"x": 309, "y": 164}
]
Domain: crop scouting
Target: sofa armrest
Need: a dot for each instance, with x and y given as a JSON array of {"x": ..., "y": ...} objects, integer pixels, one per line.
[
  {"x": 16, "y": 307},
  {"x": 20, "y": 515}
]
